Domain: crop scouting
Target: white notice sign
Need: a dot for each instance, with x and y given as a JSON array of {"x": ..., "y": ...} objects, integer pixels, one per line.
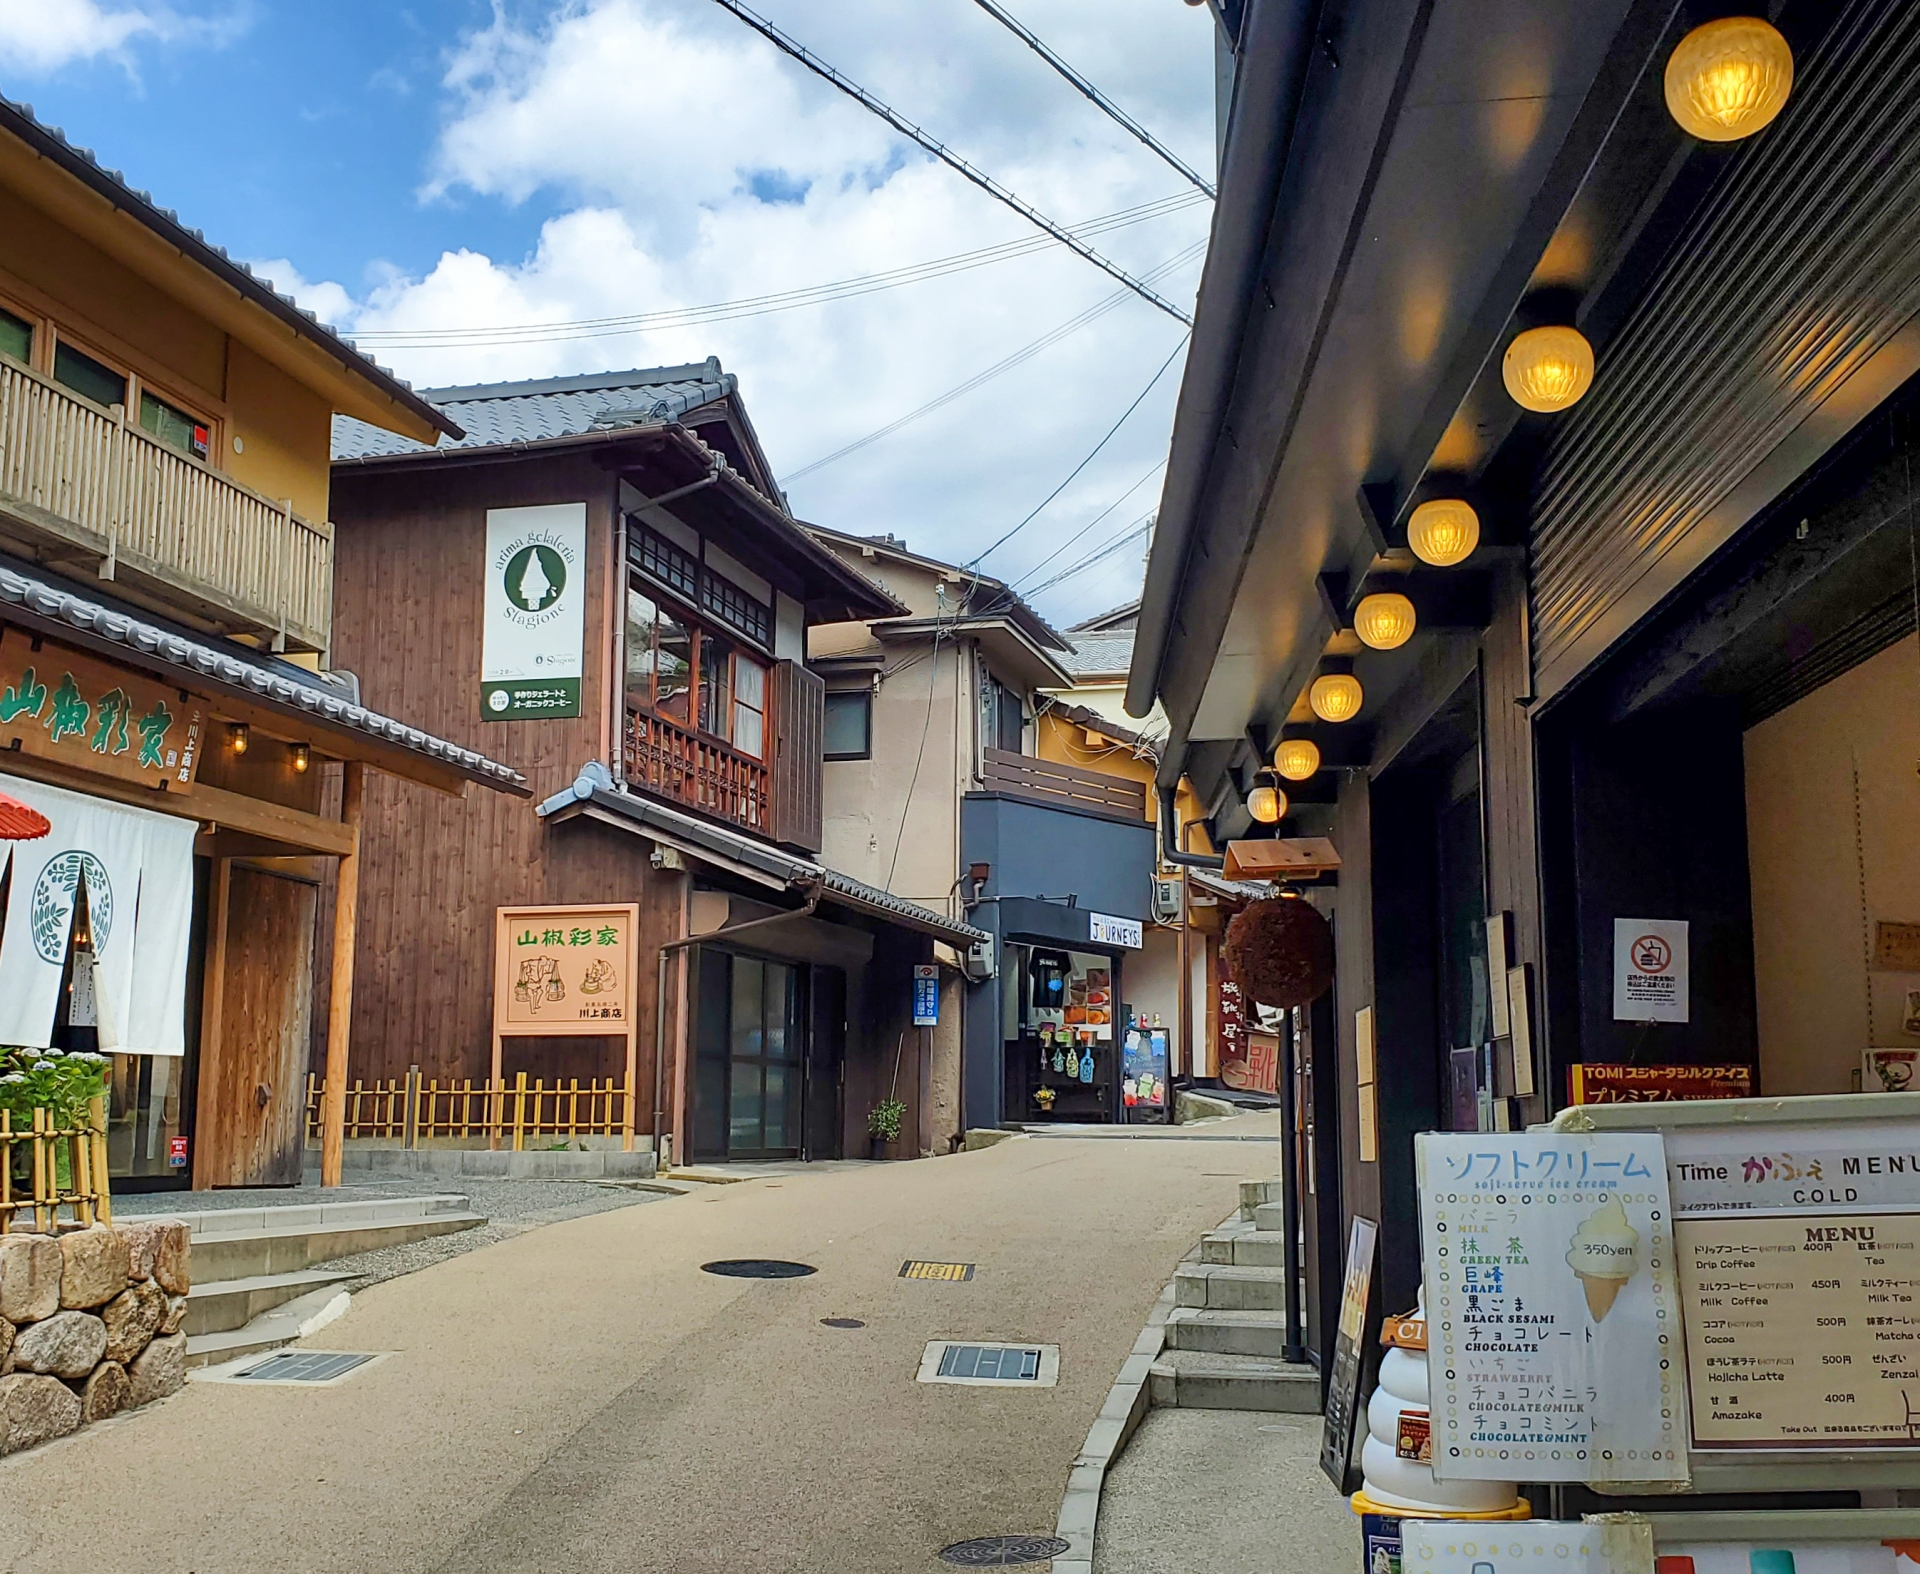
[
  {"x": 1105, "y": 930},
  {"x": 1553, "y": 1327},
  {"x": 533, "y": 636},
  {"x": 1649, "y": 970}
]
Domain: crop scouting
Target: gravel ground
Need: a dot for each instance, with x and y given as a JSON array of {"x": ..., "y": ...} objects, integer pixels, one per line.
[{"x": 511, "y": 1207}]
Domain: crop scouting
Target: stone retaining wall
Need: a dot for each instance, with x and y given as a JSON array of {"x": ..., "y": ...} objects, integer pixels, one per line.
[{"x": 89, "y": 1325}]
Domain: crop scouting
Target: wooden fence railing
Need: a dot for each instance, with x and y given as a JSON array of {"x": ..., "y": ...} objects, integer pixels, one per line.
[
  {"x": 413, "y": 1109},
  {"x": 1061, "y": 786},
  {"x": 698, "y": 772},
  {"x": 67, "y": 1170},
  {"x": 89, "y": 478}
]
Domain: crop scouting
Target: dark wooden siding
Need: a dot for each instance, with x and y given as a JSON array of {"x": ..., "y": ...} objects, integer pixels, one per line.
[{"x": 799, "y": 727}]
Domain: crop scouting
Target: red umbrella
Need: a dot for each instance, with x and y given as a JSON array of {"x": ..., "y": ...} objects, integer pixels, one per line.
[{"x": 18, "y": 823}]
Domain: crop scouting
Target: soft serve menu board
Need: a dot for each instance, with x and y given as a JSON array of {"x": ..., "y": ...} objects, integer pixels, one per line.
[{"x": 1553, "y": 1324}]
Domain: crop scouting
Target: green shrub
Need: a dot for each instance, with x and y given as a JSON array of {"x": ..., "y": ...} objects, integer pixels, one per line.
[
  {"x": 62, "y": 1082},
  {"x": 883, "y": 1120}
]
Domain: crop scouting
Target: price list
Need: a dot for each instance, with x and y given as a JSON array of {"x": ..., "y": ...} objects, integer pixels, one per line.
[{"x": 1802, "y": 1332}]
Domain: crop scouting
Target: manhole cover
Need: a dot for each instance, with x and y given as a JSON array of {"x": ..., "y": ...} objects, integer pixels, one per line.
[
  {"x": 1003, "y": 1552},
  {"x": 757, "y": 1268},
  {"x": 842, "y": 1322}
]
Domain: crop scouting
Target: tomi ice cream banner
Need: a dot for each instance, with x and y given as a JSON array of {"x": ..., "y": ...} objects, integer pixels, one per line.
[{"x": 1553, "y": 1329}]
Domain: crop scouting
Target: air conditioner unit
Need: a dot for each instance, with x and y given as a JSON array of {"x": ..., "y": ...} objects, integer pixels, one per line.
[{"x": 1166, "y": 900}]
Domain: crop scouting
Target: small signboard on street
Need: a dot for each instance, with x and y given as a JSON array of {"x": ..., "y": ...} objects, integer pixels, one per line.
[
  {"x": 1349, "y": 1357},
  {"x": 926, "y": 995}
]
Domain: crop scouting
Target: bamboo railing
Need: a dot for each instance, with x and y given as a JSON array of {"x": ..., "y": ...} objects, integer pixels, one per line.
[
  {"x": 89, "y": 477},
  {"x": 77, "y": 1153},
  {"x": 413, "y": 1110}
]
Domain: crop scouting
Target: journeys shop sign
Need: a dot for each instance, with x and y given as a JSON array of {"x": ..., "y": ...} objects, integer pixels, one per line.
[
  {"x": 59, "y": 705},
  {"x": 534, "y": 632}
]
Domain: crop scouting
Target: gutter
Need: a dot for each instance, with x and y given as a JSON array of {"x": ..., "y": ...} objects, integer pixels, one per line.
[
  {"x": 1169, "y": 836},
  {"x": 1276, "y": 42}
]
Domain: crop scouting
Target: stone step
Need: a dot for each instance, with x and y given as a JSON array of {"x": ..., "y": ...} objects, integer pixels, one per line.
[
  {"x": 1255, "y": 1192},
  {"x": 251, "y": 1243},
  {"x": 207, "y": 1222},
  {"x": 270, "y": 1330},
  {"x": 1204, "y": 1380},
  {"x": 1227, "y": 1333},
  {"x": 1230, "y": 1287},
  {"x": 223, "y": 1305},
  {"x": 1269, "y": 1216},
  {"x": 1249, "y": 1248}
]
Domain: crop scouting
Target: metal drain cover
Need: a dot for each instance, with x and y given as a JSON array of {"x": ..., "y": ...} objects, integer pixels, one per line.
[
  {"x": 1004, "y": 1552},
  {"x": 986, "y": 1363},
  {"x": 757, "y": 1268},
  {"x": 302, "y": 1366}
]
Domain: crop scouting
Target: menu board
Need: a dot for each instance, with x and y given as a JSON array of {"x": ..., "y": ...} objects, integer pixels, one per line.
[
  {"x": 1349, "y": 1356},
  {"x": 1554, "y": 1351},
  {"x": 1803, "y": 1331}
]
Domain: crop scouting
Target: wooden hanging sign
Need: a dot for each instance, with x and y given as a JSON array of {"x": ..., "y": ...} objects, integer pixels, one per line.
[{"x": 58, "y": 704}]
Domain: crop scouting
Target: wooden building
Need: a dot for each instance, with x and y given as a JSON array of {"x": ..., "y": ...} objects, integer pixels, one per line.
[
  {"x": 679, "y": 765},
  {"x": 167, "y": 695},
  {"x": 1662, "y": 682}
]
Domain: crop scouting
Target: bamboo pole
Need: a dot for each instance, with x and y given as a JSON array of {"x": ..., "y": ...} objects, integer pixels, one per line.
[
  {"x": 346, "y": 906},
  {"x": 519, "y": 1111},
  {"x": 97, "y": 1116}
]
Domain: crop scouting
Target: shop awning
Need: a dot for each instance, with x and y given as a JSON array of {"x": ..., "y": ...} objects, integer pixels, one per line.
[{"x": 595, "y": 795}]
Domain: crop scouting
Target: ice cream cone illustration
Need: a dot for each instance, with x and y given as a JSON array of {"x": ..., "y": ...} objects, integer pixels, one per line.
[{"x": 1602, "y": 1256}]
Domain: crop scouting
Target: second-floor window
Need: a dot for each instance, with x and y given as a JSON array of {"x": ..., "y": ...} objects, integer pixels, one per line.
[
  {"x": 16, "y": 337},
  {"x": 694, "y": 677}
]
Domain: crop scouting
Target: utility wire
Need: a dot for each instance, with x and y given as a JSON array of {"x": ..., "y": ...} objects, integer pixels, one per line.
[
  {"x": 947, "y": 156},
  {"x": 759, "y": 305},
  {"x": 1026, "y": 353},
  {"x": 1139, "y": 400},
  {"x": 1042, "y": 567},
  {"x": 1141, "y": 527},
  {"x": 1112, "y": 110}
]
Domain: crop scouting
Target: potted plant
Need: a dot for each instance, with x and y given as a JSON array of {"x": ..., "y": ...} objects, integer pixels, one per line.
[{"x": 883, "y": 1125}]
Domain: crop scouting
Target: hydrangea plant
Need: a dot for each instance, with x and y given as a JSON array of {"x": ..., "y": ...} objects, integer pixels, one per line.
[{"x": 62, "y": 1082}]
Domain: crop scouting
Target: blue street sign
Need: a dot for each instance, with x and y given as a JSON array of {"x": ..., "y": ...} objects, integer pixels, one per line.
[{"x": 926, "y": 996}]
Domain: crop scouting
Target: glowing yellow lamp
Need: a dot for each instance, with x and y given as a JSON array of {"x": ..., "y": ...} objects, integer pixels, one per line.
[
  {"x": 1297, "y": 758},
  {"x": 1384, "y": 621},
  {"x": 302, "y": 757},
  {"x": 1266, "y": 804},
  {"x": 1443, "y": 532},
  {"x": 1728, "y": 78},
  {"x": 1548, "y": 369},
  {"x": 1336, "y": 696}
]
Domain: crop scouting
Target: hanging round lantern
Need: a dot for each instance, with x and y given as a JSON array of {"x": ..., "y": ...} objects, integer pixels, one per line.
[
  {"x": 1443, "y": 532},
  {"x": 1267, "y": 804},
  {"x": 1548, "y": 369},
  {"x": 1384, "y": 621},
  {"x": 1297, "y": 758},
  {"x": 1336, "y": 696},
  {"x": 1280, "y": 952},
  {"x": 1729, "y": 78}
]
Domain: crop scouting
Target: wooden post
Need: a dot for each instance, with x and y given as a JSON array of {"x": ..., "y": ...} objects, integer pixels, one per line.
[
  {"x": 97, "y": 1121},
  {"x": 633, "y": 1067},
  {"x": 346, "y": 910},
  {"x": 519, "y": 1110},
  {"x": 412, "y": 1113},
  {"x": 210, "y": 1147}
]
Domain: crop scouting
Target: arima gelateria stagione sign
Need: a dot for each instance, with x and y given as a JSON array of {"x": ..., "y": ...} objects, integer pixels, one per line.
[{"x": 533, "y": 633}]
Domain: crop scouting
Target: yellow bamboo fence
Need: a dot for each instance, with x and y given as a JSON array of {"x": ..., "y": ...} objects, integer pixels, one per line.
[
  {"x": 413, "y": 1110},
  {"x": 68, "y": 1173}
]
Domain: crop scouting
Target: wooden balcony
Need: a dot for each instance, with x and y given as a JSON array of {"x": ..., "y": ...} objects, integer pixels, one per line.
[
  {"x": 1058, "y": 786},
  {"x": 80, "y": 486},
  {"x": 699, "y": 773}
]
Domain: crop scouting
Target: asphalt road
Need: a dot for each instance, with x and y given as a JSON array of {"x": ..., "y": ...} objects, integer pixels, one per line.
[{"x": 583, "y": 1398}]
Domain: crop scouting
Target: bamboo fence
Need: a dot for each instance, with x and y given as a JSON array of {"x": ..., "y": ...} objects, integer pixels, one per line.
[
  {"x": 413, "y": 1109},
  {"x": 77, "y": 1153}
]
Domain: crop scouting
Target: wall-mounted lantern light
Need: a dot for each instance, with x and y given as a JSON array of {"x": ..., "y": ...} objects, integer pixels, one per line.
[
  {"x": 238, "y": 736},
  {"x": 1729, "y": 78},
  {"x": 1548, "y": 369},
  {"x": 302, "y": 758},
  {"x": 1443, "y": 532},
  {"x": 1336, "y": 696},
  {"x": 1384, "y": 621},
  {"x": 1297, "y": 758}
]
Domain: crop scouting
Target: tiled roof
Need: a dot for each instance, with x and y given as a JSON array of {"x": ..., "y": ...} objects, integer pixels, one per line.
[
  {"x": 1100, "y": 655},
  {"x": 202, "y": 666},
  {"x": 51, "y": 142},
  {"x": 496, "y": 415}
]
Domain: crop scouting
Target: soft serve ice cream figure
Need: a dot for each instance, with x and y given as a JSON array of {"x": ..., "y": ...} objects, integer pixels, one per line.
[{"x": 1603, "y": 1255}]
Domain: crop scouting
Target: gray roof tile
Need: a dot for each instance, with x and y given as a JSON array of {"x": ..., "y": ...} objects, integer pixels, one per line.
[{"x": 1096, "y": 655}]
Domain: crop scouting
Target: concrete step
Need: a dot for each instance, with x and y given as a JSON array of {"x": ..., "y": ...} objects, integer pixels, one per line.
[
  {"x": 1255, "y": 1192},
  {"x": 1204, "y": 1380},
  {"x": 251, "y": 1243},
  {"x": 1230, "y": 1287},
  {"x": 608, "y": 1163},
  {"x": 1249, "y": 1248},
  {"x": 1269, "y": 1216},
  {"x": 1227, "y": 1333},
  {"x": 223, "y": 1305},
  {"x": 295, "y": 1320}
]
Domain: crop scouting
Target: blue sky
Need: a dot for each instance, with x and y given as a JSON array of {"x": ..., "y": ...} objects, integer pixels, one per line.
[{"x": 450, "y": 165}]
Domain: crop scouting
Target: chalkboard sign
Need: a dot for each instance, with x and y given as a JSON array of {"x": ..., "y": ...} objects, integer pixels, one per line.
[{"x": 1349, "y": 1356}]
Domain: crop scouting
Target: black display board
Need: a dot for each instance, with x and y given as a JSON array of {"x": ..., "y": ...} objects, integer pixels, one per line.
[{"x": 1349, "y": 1356}]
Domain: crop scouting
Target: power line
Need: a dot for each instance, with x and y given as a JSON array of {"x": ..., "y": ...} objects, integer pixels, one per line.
[
  {"x": 1042, "y": 567},
  {"x": 1113, "y": 110},
  {"x": 947, "y": 156},
  {"x": 1141, "y": 527},
  {"x": 1139, "y": 400},
  {"x": 758, "y": 305},
  {"x": 1026, "y": 353}
]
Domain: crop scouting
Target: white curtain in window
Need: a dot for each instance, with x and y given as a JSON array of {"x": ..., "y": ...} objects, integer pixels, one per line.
[{"x": 107, "y": 846}]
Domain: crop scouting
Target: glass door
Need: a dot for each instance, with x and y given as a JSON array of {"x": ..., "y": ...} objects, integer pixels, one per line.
[{"x": 750, "y": 1052}]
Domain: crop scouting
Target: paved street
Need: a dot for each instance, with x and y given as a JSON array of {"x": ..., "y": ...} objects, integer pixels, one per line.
[{"x": 583, "y": 1397}]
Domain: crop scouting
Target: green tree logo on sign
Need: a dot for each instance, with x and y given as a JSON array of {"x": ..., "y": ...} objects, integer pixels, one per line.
[{"x": 535, "y": 577}]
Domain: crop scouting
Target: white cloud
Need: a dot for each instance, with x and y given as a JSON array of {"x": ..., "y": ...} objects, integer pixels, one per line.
[
  {"x": 39, "y": 36},
  {"x": 684, "y": 161}
]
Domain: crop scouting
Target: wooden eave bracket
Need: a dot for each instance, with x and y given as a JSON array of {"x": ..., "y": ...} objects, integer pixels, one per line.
[{"x": 1281, "y": 858}]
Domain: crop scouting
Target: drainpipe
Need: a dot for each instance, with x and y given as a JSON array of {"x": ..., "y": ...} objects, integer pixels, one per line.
[
  {"x": 814, "y": 890},
  {"x": 1169, "y": 851}
]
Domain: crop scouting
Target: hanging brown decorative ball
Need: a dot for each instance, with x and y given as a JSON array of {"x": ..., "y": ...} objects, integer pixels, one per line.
[{"x": 1280, "y": 952}]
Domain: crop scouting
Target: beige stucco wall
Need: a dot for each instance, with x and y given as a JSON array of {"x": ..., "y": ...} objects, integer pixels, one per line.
[{"x": 1809, "y": 944}]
